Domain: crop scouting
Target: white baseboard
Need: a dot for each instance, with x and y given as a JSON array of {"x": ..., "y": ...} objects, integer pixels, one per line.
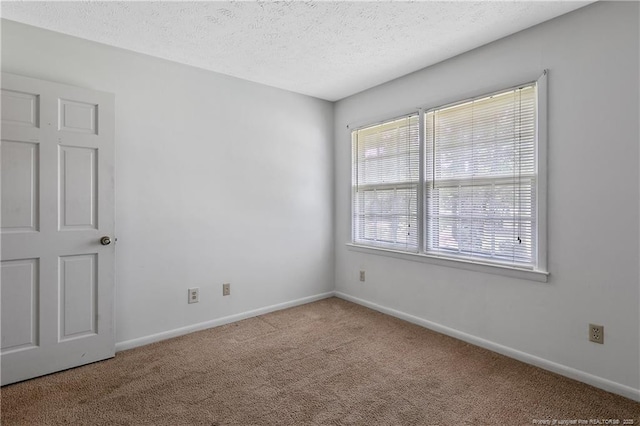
[
  {"x": 572, "y": 373},
  {"x": 141, "y": 341}
]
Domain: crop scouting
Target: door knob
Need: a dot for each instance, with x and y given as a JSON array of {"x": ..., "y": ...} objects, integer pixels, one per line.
[{"x": 105, "y": 241}]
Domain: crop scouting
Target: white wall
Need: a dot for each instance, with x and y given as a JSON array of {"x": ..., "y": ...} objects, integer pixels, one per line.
[
  {"x": 592, "y": 57},
  {"x": 217, "y": 180}
]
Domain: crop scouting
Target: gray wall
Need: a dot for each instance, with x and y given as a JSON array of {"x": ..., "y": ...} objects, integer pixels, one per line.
[
  {"x": 217, "y": 180},
  {"x": 593, "y": 202}
]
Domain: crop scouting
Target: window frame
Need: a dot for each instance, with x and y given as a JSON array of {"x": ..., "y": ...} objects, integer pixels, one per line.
[{"x": 537, "y": 272}]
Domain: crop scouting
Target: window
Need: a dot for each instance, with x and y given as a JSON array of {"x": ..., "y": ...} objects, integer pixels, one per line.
[
  {"x": 462, "y": 181},
  {"x": 386, "y": 176},
  {"x": 480, "y": 178}
]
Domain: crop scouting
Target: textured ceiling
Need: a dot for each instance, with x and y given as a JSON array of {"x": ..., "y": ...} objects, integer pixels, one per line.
[{"x": 329, "y": 50}]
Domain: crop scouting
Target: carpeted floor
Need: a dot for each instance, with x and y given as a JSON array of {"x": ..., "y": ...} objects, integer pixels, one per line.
[{"x": 328, "y": 362}]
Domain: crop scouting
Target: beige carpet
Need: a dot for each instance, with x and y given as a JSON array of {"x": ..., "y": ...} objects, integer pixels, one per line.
[{"x": 328, "y": 362}]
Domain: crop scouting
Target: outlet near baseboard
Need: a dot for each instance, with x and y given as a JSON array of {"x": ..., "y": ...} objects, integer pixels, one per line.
[
  {"x": 596, "y": 333},
  {"x": 194, "y": 295}
]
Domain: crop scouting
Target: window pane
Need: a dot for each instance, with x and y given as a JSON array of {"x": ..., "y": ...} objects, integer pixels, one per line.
[
  {"x": 480, "y": 178},
  {"x": 385, "y": 184}
]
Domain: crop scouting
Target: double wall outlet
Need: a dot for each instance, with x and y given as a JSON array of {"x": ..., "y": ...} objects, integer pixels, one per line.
[
  {"x": 596, "y": 333},
  {"x": 194, "y": 295},
  {"x": 226, "y": 289},
  {"x": 362, "y": 276}
]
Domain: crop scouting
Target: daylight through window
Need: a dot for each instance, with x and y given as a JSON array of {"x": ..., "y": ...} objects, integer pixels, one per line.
[{"x": 463, "y": 185}]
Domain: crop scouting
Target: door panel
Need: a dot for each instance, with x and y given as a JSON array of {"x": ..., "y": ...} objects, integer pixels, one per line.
[
  {"x": 78, "y": 188},
  {"x": 19, "y": 175},
  {"x": 56, "y": 152},
  {"x": 78, "y": 296},
  {"x": 19, "y": 287},
  {"x": 77, "y": 117},
  {"x": 19, "y": 109}
]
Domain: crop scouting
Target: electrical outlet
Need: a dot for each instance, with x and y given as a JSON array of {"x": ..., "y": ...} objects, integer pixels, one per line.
[
  {"x": 194, "y": 295},
  {"x": 226, "y": 289},
  {"x": 362, "y": 276},
  {"x": 596, "y": 333}
]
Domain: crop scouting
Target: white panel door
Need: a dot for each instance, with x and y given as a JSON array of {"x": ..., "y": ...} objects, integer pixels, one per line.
[{"x": 57, "y": 270}]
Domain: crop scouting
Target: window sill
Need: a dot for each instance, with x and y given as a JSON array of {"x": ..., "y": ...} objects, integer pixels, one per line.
[{"x": 525, "y": 274}]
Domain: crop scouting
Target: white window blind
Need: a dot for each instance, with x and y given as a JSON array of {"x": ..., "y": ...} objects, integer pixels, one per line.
[
  {"x": 480, "y": 179},
  {"x": 385, "y": 181}
]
